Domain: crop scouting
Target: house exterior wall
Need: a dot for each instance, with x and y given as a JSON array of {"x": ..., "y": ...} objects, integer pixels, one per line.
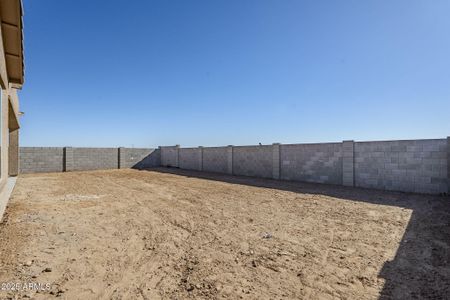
[
  {"x": 11, "y": 78},
  {"x": 9, "y": 119}
]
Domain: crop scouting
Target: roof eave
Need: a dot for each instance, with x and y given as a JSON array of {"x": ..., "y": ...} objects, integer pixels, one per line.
[{"x": 11, "y": 14}]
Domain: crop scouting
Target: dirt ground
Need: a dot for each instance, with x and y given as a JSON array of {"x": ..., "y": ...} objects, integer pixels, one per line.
[{"x": 171, "y": 234}]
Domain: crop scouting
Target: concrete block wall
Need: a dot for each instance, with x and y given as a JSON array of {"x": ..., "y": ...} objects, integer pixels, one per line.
[
  {"x": 411, "y": 166},
  {"x": 276, "y": 167},
  {"x": 68, "y": 159},
  {"x": 448, "y": 164},
  {"x": 95, "y": 159},
  {"x": 59, "y": 159},
  {"x": 255, "y": 161},
  {"x": 200, "y": 158},
  {"x": 169, "y": 156},
  {"x": 189, "y": 158},
  {"x": 230, "y": 159},
  {"x": 138, "y": 158},
  {"x": 41, "y": 159},
  {"x": 348, "y": 163},
  {"x": 215, "y": 159},
  {"x": 320, "y": 163}
]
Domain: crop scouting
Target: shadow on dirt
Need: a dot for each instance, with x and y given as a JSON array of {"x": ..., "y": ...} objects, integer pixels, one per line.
[{"x": 421, "y": 267}]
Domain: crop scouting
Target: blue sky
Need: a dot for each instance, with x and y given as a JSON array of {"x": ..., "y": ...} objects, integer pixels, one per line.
[{"x": 148, "y": 73}]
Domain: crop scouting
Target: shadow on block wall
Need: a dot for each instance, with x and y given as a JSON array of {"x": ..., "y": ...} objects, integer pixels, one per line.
[
  {"x": 421, "y": 267},
  {"x": 149, "y": 161}
]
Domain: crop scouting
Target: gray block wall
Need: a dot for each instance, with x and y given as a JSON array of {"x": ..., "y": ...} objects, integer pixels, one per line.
[
  {"x": 276, "y": 161},
  {"x": 59, "y": 159},
  {"x": 41, "y": 159},
  {"x": 95, "y": 159},
  {"x": 68, "y": 159},
  {"x": 448, "y": 164},
  {"x": 189, "y": 158},
  {"x": 348, "y": 163},
  {"x": 255, "y": 161},
  {"x": 169, "y": 156},
  {"x": 410, "y": 166},
  {"x": 139, "y": 158},
  {"x": 215, "y": 159},
  {"x": 320, "y": 163}
]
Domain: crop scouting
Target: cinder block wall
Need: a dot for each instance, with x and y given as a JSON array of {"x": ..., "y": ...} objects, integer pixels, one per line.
[
  {"x": 189, "y": 158},
  {"x": 139, "y": 158},
  {"x": 312, "y": 162},
  {"x": 95, "y": 159},
  {"x": 169, "y": 156},
  {"x": 255, "y": 161},
  {"x": 59, "y": 159},
  {"x": 41, "y": 159},
  {"x": 410, "y": 166},
  {"x": 215, "y": 159}
]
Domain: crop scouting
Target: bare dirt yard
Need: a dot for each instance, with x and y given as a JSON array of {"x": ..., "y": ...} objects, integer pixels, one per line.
[{"x": 171, "y": 234}]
